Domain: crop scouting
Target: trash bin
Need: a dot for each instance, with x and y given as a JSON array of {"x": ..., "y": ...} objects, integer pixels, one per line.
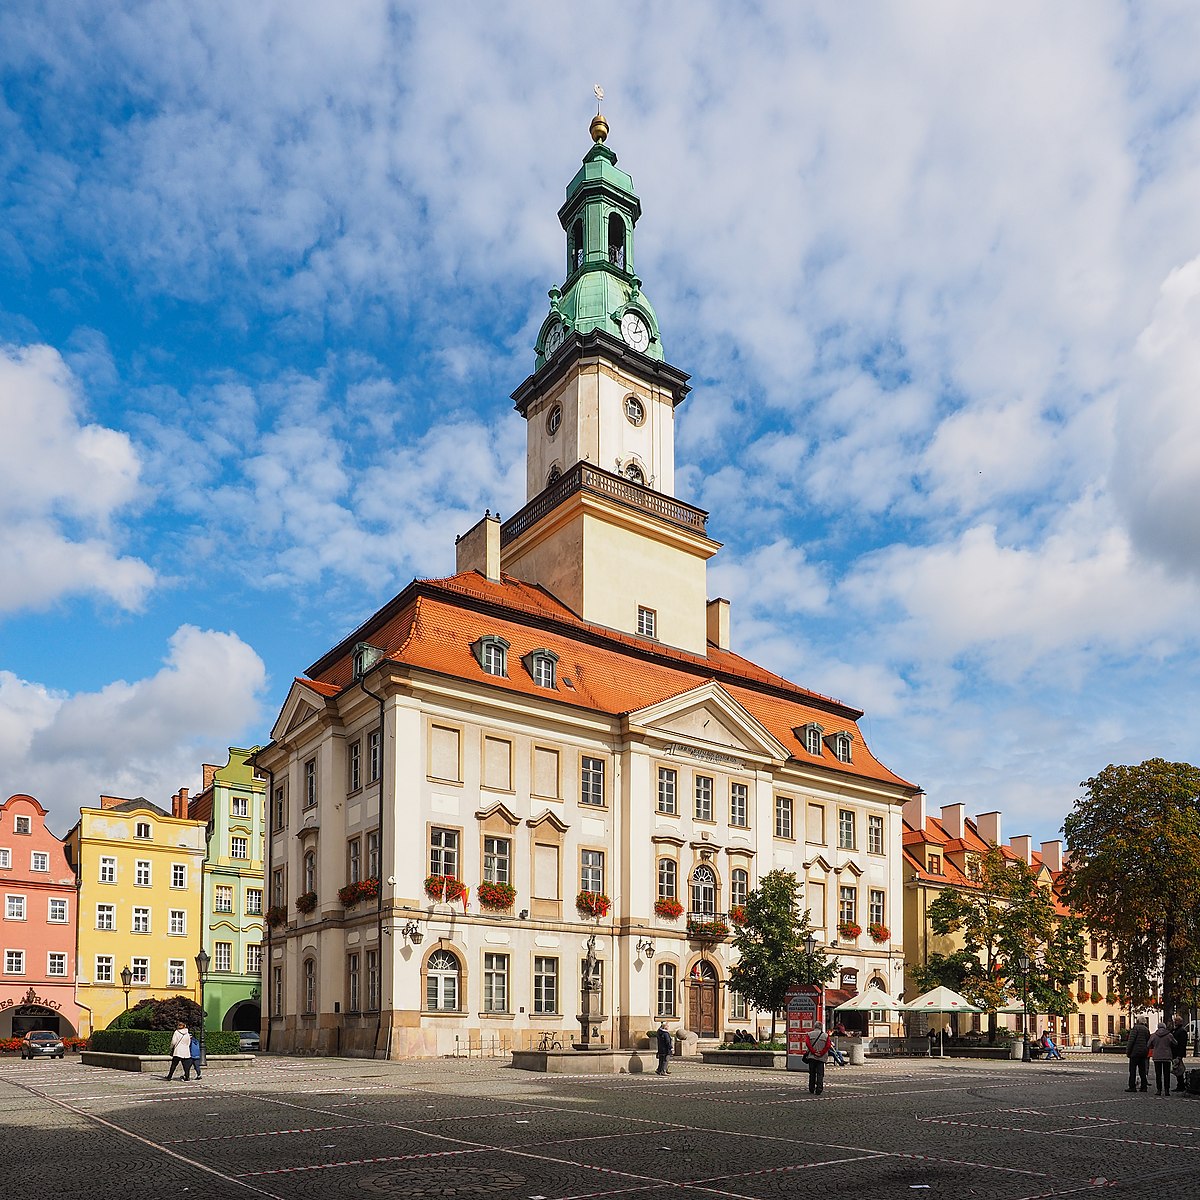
[
  {"x": 1017, "y": 1049},
  {"x": 858, "y": 1054}
]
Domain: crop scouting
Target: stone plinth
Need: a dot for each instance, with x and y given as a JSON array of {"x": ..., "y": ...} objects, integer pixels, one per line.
[{"x": 584, "y": 1062}]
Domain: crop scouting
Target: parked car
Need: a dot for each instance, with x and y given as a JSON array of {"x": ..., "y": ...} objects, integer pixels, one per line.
[
  {"x": 41, "y": 1044},
  {"x": 248, "y": 1040}
]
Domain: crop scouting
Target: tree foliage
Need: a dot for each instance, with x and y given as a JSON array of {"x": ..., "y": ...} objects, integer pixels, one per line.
[
  {"x": 1007, "y": 915},
  {"x": 159, "y": 1014},
  {"x": 1134, "y": 875},
  {"x": 770, "y": 945}
]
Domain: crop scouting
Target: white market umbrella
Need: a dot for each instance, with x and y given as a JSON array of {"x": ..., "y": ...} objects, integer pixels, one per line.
[
  {"x": 873, "y": 997},
  {"x": 941, "y": 1000}
]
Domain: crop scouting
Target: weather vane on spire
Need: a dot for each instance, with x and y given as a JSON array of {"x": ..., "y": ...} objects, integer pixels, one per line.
[
  {"x": 599, "y": 93},
  {"x": 599, "y": 129}
]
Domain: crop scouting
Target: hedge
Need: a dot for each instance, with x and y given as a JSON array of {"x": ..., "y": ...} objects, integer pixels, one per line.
[{"x": 158, "y": 1041}]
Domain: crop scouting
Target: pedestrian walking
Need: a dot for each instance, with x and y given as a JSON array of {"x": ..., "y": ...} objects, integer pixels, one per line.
[
  {"x": 1137, "y": 1049},
  {"x": 1179, "y": 1035},
  {"x": 195, "y": 1051},
  {"x": 663, "y": 1037},
  {"x": 932, "y": 1036},
  {"x": 181, "y": 1050},
  {"x": 816, "y": 1050},
  {"x": 1162, "y": 1052}
]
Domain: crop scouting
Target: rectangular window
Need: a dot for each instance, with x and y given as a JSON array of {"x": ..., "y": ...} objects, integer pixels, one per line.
[
  {"x": 106, "y": 916},
  {"x": 783, "y": 816},
  {"x": 545, "y": 985},
  {"x": 175, "y": 972},
  {"x": 352, "y": 983},
  {"x": 445, "y": 759},
  {"x": 497, "y": 860},
  {"x": 241, "y": 806},
  {"x": 373, "y": 854},
  {"x": 278, "y": 890},
  {"x": 14, "y": 908},
  {"x": 704, "y": 798},
  {"x": 739, "y": 805},
  {"x": 815, "y": 828},
  {"x": 875, "y": 906},
  {"x": 874, "y": 835},
  {"x": 108, "y": 869},
  {"x": 141, "y": 920},
  {"x": 353, "y": 860},
  {"x": 22, "y": 825},
  {"x": 372, "y": 981},
  {"x": 374, "y": 754},
  {"x": 668, "y": 789},
  {"x": 737, "y": 1006},
  {"x": 935, "y": 864},
  {"x": 223, "y": 898},
  {"x": 591, "y": 780},
  {"x": 646, "y": 621},
  {"x": 277, "y": 991},
  {"x": 142, "y": 830},
  {"x": 177, "y": 922},
  {"x": 280, "y": 808},
  {"x": 14, "y": 962},
  {"x": 178, "y": 875},
  {"x": 666, "y": 989},
  {"x": 846, "y": 839},
  {"x": 141, "y": 873},
  {"x": 310, "y": 783},
  {"x": 355, "y": 781},
  {"x": 239, "y": 847},
  {"x": 443, "y": 852},
  {"x": 58, "y": 911},
  {"x": 591, "y": 870},
  {"x": 222, "y": 956},
  {"x": 847, "y": 906},
  {"x": 668, "y": 879},
  {"x": 254, "y": 902},
  {"x": 495, "y": 983},
  {"x": 545, "y": 772},
  {"x": 497, "y": 764},
  {"x": 39, "y": 860},
  {"x": 140, "y": 969},
  {"x": 5, "y": 859},
  {"x": 56, "y": 963},
  {"x": 254, "y": 959},
  {"x": 104, "y": 968}
]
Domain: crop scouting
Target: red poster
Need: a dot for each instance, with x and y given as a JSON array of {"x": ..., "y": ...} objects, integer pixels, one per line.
[{"x": 805, "y": 1008}]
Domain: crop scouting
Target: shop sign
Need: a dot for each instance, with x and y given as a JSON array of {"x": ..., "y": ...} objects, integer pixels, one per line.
[{"x": 31, "y": 997}]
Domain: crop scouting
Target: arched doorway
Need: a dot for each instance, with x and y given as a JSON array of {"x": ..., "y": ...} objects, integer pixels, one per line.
[
  {"x": 28, "y": 1018},
  {"x": 703, "y": 1012},
  {"x": 245, "y": 1015}
]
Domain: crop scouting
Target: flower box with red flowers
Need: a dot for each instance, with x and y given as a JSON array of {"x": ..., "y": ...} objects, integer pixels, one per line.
[
  {"x": 707, "y": 929},
  {"x": 849, "y": 930},
  {"x": 879, "y": 931},
  {"x": 1081, "y": 997},
  {"x": 1096, "y": 997},
  {"x": 737, "y": 915},
  {"x": 498, "y": 897},
  {"x": 668, "y": 909},
  {"x": 444, "y": 888},
  {"x": 276, "y": 916},
  {"x": 356, "y": 893},
  {"x": 306, "y": 902},
  {"x": 592, "y": 904}
]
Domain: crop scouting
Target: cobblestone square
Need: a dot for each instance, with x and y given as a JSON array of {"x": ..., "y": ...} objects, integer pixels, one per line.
[{"x": 328, "y": 1128}]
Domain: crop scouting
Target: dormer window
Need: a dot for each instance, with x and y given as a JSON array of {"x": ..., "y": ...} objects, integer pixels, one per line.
[
  {"x": 365, "y": 657},
  {"x": 491, "y": 652},
  {"x": 142, "y": 829},
  {"x": 542, "y": 666},
  {"x": 810, "y": 736},
  {"x": 840, "y": 744},
  {"x": 616, "y": 241},
  {"x": 935, "y": 864}
]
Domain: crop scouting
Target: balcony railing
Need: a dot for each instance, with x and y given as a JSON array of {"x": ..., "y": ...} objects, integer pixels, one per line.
[{"x": 708, "y": 926}]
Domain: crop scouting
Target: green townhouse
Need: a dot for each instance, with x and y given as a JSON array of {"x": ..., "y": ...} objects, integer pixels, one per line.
[{"x": 231, "y": 802}]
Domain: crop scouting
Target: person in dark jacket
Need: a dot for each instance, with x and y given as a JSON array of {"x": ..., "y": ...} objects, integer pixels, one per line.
[
  {"x": 663, "y": 1039},
  {"x": 1179, "y": 1035},
  {"x": 1162, "y": 1051},
  {"x": 195, "y": 1048},
  {"x": 1137, "y": 1049}
]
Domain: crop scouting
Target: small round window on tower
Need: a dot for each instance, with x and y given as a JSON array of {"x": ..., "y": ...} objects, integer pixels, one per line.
[
  {"x": 554, "y": 420},
  {"x": 635, "y": 410}
]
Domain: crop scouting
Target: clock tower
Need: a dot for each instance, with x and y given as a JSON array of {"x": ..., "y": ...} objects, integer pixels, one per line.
[{"x": 601, "y": 528}]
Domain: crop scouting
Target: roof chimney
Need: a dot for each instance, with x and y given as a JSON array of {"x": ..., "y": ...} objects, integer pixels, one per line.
[
  {"x": 717, "y": 612},
  {"x": 479, "y": 548},
  {"x": 914, "y": 811},
  {"x": 988, "y": 825},
  {"x": 1022, "y": 847},
  {"x": 954, "y": 818},
  {"x": 1052, "y": 856},
  {"x": 179, "y": 804}
]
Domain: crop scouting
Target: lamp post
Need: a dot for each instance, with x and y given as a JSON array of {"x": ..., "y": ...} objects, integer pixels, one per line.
[
  {"x": 202, "y": 961},
  {"x": 1023, "y": 963},
  {"x": 1196, "y": 1016},
  {"x": 126, "y": 983}
]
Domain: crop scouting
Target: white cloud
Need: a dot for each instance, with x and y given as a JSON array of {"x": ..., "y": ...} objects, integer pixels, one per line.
[{"x": 63, "y": 482}]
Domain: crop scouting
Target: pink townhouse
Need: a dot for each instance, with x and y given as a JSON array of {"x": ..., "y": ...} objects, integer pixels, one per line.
[{"x": 37, "y": 930}]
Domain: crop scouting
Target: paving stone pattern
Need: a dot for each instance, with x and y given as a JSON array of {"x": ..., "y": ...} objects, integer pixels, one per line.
[{"x": 333, "y": 1128}]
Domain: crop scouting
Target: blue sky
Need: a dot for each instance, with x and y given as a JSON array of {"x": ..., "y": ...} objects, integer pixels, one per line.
[{"x": 268, "y": 274}]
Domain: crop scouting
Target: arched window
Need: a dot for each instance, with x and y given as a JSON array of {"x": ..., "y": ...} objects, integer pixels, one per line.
[
  {"x": 310, "y": 986},
  {"x": 554, "y": 420},
  {"x": 491, "y": 652},
  {"x": 310, "y": 871},
  {"x": 575, "y": 254},
  {"x": 739, "y": 885},
  {"x": 704, "y": 890},
  {"x": 616, "y": 241},
  {"x": 442, "y": 982},
  {"x": 666, "y": 879},
  {"x": 667, "y": 978}
]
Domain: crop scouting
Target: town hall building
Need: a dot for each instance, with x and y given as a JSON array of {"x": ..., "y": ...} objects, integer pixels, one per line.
[{"x": 558, "y": 744}]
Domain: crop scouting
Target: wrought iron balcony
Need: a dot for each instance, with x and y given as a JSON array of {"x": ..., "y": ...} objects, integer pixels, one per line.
[{"x": 708, "y": 926}]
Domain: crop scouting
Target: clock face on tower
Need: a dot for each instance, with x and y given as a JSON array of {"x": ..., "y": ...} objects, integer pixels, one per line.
[
  {"x": 555, "y": 337},
  {"x": 635, "y": 331}
]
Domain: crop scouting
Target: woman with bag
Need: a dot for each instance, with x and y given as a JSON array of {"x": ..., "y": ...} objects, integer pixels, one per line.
[{"x": 816, "y": 1051}]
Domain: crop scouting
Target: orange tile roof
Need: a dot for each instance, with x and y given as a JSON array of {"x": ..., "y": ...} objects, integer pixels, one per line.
[{"x": 432, "y": 624}]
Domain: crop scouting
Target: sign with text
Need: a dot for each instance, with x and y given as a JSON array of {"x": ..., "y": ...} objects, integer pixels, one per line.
[{"x": 805, "y": 1008}]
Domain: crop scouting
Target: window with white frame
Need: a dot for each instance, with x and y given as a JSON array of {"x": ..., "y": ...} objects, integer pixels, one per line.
[
  {"x": 355, "y": 781},
  {"x": 704, "y": 798},
  {"x": 175, "y": 975},
  {"x": 739, "y": 885},
  {"x": 104, "y": 968},
  {"x": 141, "y": 920},
  {"x": 874, "y": 835},
  {"x": 57, "y": 912},
  {"x": 23, "y": 825},
  {"x": 141, "y": 873},
  {"x": 847, "y": 905},
  {"x": 491, "y": 652},
  {"x": 591, "y": 870},
  {"x": 39, "y": 860},
  {"x": 704, "y": 890},
  {"x": 443, "y": 852},
  {"x": 254, "y": 898},
  {"x": 354, "y": 860},
  {"x": 737, "y": 1006},
  {"x": 254, "y": 959},
  {"x": 846, "y": 836},
  {"x": 373, "y": 854},
  {"x": 14, "y": 962},
  {"x": 310, "y": 986},
  {"x": 667, "y": 977},
  {"x": 441, "y": 982},
  {"x": 177, "y": 922},
  {"x": 239, "y": 847},
  {"x": 497, "y": 859},
  {"x": 14, "y": 908},
  {"x": 591, "y": 780},
  {"x": 240, "y": 806},
  {"x": 278, "y": 890},
  {"x": 140, "y": 970},
  {"x": 647, "y": 621},
  {"x": 668, "y": 790},
  {"x": 106, "y": 916},
  {"x": 223, "y": 898},
  {"x": 310, "y": 783},
  {"x": 309, "y": 863},
  {"x": 142, "y": 830},
  {"x": 5, "y": 858},
  {"x": 783, "y": 817},
  {"x": 841, "y": 746},
  {"x": 372, "y": 981},
  {"x": 545, "y": 985},
  {"x": 739, "y": 805},
  {"x": 542, "y": 666},
  {"x": 222, "y": 956},
  {"x": 875, "y": 906},
  {"x": 56, "y": 963},
  {"x": 178, "y": 875},
  {"x": 352, "y": 983},
  {"x": 812, "y": 739},
  {"x": 108, "y": 869},
  {"x": 668, "y": 879},
  {"x": 374, "y": 754}
]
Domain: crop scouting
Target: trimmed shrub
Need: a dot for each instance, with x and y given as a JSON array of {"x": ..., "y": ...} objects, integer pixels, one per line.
[
  {"x": 158, "y": 1041},
  {"x": 160, "y": 1014}
]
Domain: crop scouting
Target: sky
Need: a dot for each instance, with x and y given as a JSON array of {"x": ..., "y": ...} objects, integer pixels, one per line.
[{"x": 269, "y": 273}]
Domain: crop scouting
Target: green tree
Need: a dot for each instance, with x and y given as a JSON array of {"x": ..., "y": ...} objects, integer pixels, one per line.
[
  {"x": 1007, "y": 915},
  {"x": 1134, "y": 874},
  {"x": 770, "y": 946},
  {"x": 946, "y": 970}
]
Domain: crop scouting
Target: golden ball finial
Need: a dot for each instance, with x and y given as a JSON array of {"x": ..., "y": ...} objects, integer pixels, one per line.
[{"x": 598, "y": 128}]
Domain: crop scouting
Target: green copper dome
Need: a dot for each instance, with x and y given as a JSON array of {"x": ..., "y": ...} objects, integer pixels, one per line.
[{"x": 601, "y": 290}]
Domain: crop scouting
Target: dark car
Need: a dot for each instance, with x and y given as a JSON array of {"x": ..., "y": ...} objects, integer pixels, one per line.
[
  {"x": 248, "y": 1040},
  {"x": 41, "y": 1044}
]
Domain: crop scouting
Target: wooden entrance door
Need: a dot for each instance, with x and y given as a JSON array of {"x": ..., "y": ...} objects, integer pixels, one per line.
[{"x": 702, "y": 1001}]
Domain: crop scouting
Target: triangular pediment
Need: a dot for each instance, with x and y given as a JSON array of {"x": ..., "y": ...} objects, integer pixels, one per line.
[
  {"x": 546, "y": 817},
  {"x": 708, "y": 718},
  {"x": 502, "y": 811},
  {"x": 301, "y": 705}
]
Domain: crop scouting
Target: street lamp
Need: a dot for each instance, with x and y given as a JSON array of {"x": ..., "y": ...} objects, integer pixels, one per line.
[
  {"x": 126, "y": 982},
  {"x": 1023, "y": 963},
  {"x": 1196, "y": 1016},
  {"x": 202, "y": 961}
]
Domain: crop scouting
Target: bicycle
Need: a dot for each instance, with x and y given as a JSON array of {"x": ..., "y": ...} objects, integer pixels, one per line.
[{"x": 549, "y": 1042}]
